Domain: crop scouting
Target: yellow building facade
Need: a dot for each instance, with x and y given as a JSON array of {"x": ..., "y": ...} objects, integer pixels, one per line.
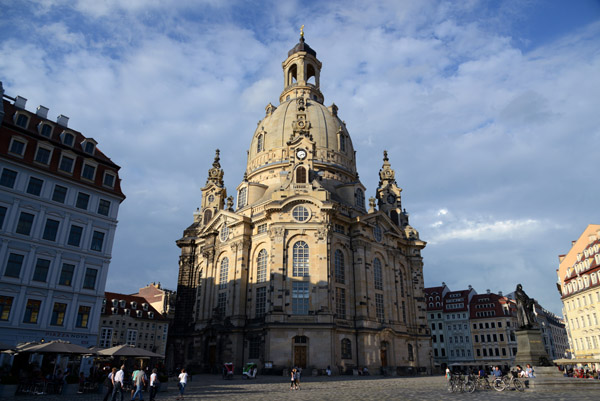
[
  {"x": 579, "y": 285},
  {"x": 301, "y": 272}
]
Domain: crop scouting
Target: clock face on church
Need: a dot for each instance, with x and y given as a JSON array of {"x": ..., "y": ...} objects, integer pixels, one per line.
[
  {"x": 301, "y": 154},
  {"x": 391, "y": 198}
]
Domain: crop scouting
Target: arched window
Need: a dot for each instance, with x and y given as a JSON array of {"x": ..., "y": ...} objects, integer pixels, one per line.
[
  {"x": 293, "y": 74},
  {"x": 224, "y": 273},
  {"x": 261, "y": 267},
  {"x": 242, "y": 198},
  {"x": 340, "y": 273},
  {"x": 346, "y": 349},
  {"x": 207, "y": 216},
  {"x": 342, "y": 143},
  {"x": 300, "y": 263},
  {"x": 359, "y": 198},
  {"x": 411, "y": 356},
  {"x": 310, "y": 73},
  {"x": 301, "y": 175},
  {"x": 259, "y": 144},
  {"x": 377, "y": 274}
]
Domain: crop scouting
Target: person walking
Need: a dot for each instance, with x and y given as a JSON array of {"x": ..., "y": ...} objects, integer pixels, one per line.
[
  {"x": 154, "y": 383},
  {"x": 108, "y": 385},
  {"x": 293, "y": 379},
  {"x": 183, "y": 378},
  {"x": 117, "y": 381},
  {"x": 139, "y": 380}
]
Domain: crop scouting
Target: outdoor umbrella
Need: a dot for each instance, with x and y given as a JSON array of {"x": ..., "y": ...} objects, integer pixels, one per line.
[
  {"x": 128, "y": 350},
  {"x": 57, "y": 347}
]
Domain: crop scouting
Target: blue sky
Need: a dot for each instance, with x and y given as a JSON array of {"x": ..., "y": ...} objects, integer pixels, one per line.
[{"x": 488, "y": 109}]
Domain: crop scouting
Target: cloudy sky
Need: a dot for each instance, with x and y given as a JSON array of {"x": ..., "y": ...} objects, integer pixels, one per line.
[{"x": 488, "y": 110}]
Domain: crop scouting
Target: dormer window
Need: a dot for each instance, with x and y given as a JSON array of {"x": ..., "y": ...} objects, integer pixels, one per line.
[
  {"x": 342, "y": 142},
  {"x": 127, "y": 312},
  {"x": 17, "y": 146},
  {"x": 145, "y": 306},
  {"x": 133, "y": 305},
  {"x": 115, "y": 302},
  {"x": 45, "y": 130},
  {"x": 109, "y": 180},
  {"x": 260, "y": 143},
  {"x": 67, "y": 138},
  {"x": 150, "y": 315},
  {"x": 122, "y": 303},
  {"x": 21, "y": 120},
  {"x": 89, "y": 146},
  {"x": 139, "y": 313},
  {"x": 114, "y": 310}
]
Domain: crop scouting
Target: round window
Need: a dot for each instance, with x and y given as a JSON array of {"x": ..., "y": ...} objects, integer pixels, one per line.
[
  {"x": 300, "y": 213},
  {"x": 211, "y": 198},
  {"x": 377, "y": 233},
  {"x": 224, "y": 233}
]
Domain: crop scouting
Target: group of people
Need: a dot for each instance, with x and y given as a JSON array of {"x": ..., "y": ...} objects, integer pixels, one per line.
[
  {"x": 115, "y": 384},
  {"x": 528, "y": 372},
  {"x": 295, "y": 378}
]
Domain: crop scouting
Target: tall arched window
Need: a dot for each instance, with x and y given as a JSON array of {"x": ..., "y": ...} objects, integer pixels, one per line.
[
  {"x": 260, "y": 143},
  {"x": 224, "y": 273},
  {"x": 242, "y": 198},
  {"x": 207, "y": 216},
  {"x": 342, "y": 143},
  {"x": 301, "y": 175},
  {"x": 346, "y": 349},
  {"x": 340, "y": 273},
  {"x": 261, "y": 267},
  {"x": 360, "y": 198},
  {"x": 377, "y": 274},
  {"x": 411, "y": 355},
  {"x": 300, "y": 263}
]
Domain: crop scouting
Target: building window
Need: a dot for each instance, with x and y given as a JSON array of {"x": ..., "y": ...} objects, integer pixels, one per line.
[
  {"x": 51, "y": 230},
  {"x": 242, "y": 198},
  {"x": 300, "y": 175},
  {"x": 224, "y": 273},
  {"x": 83, "y": 315},
  {"x": 13, "y": 265},
  {"x": 75, "y": 235},
  {"x": 46, "y": 130},
  {"x": 342, "y": 143},
  {"x": 359, "y": 198},
  {"x": 88, "y": 172},
  {"x": 340, "y": 270},
  {"x": 40, "y": 273},
  {"x": 32, "y": 311},
  {"x": 8, "y": 178},
  {"x": 25, "y": 223},
  {"x": 43, "y": 155},
  {"x": 97, "y": 241},
  {"x": 66, "y": 164},
  {"x": 300, "y": 213},
  {"x": 259, "y": 144},
  {"x": 346, "y": 349},
  {"x": 222, "y": 302},
  {"x": 377, "y": 274},
  {"x": 224, "y": 233},
  {"x": 411, "y": 355},
  {"x": 340, "y": 302},
  {"x": 17, "y": 147},
  {"x": 261, "y": 266},
  {"x": 58, "y": 314},
  {"x": 106, "y": 337},
  {"x": 82, "y": 201},
  {"x": 66, "y": 274},
  {"x": 262, "y": 229},
  {"x": 379, "y": 306},
  {"x": 377, "y": 233},
  {"x": 300, "y": 260},
  {"x": 59, "y": 194},
  {"x": 109, "y": 180},
  {"x": 207, "y": 216},
  {"x": 261, "y": 301},
  {"x": 89, "y": 147},
  {"x": 3, "y": 211},
  {"x": 131, "y": 337},
  {"x": 67, "y": 138},
  {"x": 89, "y": 281},
  {"x": 300, "y": 298},
  {"x": 5, "y": 307},
  {"x": 254, "y": 348},
  {"x": 22, "y": 120},
  {"x": 104, "y": 207}
]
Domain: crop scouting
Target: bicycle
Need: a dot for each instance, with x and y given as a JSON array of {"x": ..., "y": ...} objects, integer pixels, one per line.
[{"x": 513, "y": 381}]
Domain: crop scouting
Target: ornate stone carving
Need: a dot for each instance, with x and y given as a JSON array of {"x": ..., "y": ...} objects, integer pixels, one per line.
[{"x": 276, "y": 234}]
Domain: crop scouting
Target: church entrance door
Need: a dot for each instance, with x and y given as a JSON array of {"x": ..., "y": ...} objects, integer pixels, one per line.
[{"x": 300, "y": 356}]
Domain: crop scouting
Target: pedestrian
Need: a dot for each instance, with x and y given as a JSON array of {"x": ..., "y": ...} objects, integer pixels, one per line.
[
  {"x": 183, "y": 378},
  {"x": 293, "y": 379},
  {"x": 108, "y": 386},
  {"x": 447, "y": 374},
  {"x": 297, "y": 378},
  {"x": 117, "y": 381},
  {"x": 529, "y": 371},
  {"x": 328, "y": 370},
  {"x": 139, "y": 380},
  {"x": 154, "y": 384}
]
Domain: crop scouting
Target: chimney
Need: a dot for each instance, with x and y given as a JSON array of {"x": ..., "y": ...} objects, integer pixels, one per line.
[
  {"x": 20, "y": 102},
  {"x": 488, "y": 290},
  {"x": 63, "y": 120},
  {"x": 499, "y": 293},
  {"x": 470, "y": 287},
  {"x": 443, "y": 284},
  {"x": 42, "y": 111}
]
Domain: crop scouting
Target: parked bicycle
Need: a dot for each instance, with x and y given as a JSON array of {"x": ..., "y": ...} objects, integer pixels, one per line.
[{"x": 512, "y": 381}]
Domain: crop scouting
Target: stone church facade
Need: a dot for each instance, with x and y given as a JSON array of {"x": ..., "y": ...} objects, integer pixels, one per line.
[{"x": 300, "y": 272}]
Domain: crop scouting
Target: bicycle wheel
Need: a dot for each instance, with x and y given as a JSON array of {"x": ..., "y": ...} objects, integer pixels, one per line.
[
  {"x": 518, "y": 385},
  {"x": 450, "y": 386},
  {"x": 498, "y": 385},
  {"x": 469, "y": 386}
]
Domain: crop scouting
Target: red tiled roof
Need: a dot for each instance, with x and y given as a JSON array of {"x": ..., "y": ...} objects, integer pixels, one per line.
[{"x": 109, "y": 296}]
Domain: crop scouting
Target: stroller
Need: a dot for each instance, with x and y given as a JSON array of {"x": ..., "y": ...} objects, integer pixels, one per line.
[
  {"x": 249, "y": 371},
  {"x": 228, "y": 370}
]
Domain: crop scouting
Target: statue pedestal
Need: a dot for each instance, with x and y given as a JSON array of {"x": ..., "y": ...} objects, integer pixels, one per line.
[{"x": 530, "y": 348}]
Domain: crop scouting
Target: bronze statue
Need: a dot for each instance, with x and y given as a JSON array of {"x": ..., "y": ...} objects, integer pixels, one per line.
[{"x": 525, "y": 305}]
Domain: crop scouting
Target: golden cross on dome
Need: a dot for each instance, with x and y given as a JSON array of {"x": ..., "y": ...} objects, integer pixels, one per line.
[{"x": 302, "y": 31}]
